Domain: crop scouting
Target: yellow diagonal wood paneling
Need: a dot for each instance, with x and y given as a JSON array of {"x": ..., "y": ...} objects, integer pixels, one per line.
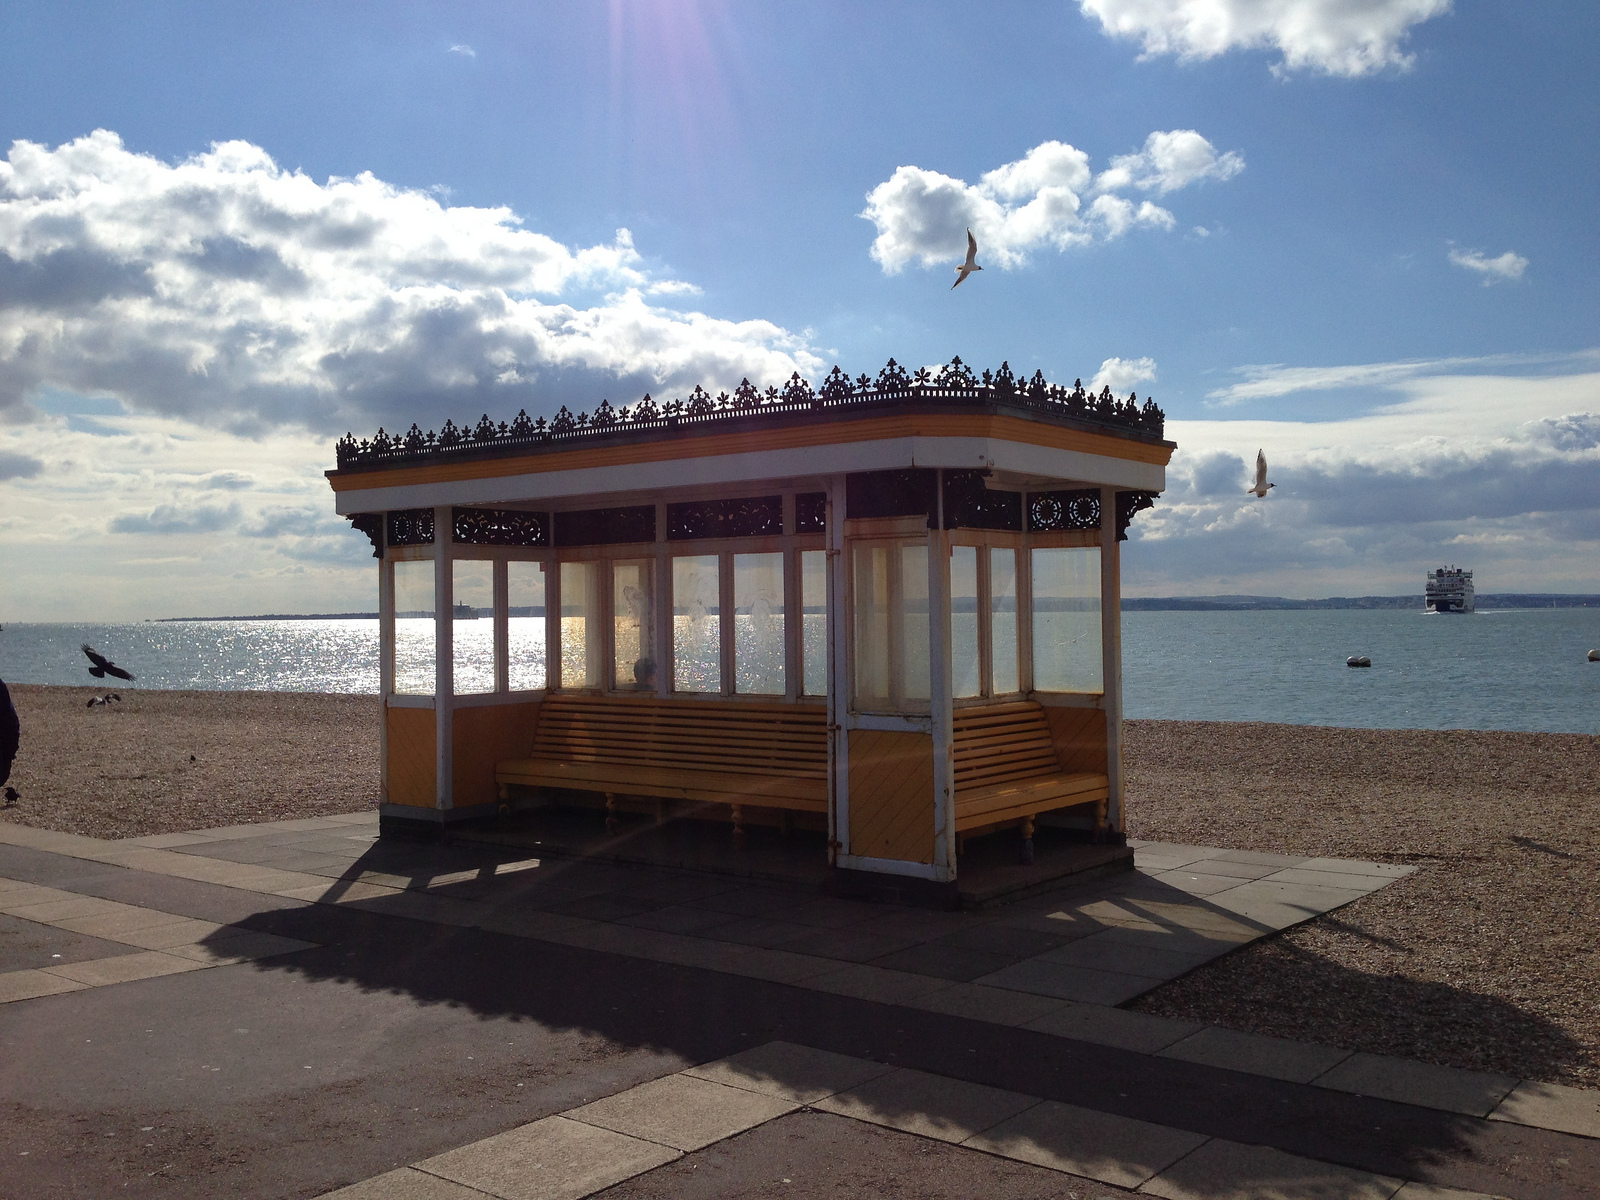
[
  {"x": 891, "y": 795},
  {"x": 413, "y": 753}
]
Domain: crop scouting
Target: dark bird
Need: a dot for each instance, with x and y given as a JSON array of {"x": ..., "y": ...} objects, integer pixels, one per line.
[
  {"x": 103, "y": 666},
  {"x": 12, "y": 796},
  {"x": 971, "y": 265},
  {"x": 94, "y": 700}
]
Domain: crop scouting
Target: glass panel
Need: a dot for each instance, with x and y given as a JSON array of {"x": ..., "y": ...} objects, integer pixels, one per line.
[
  {"x": 1003, "y": 619},
  {"x": 758, "y": 667},
  {"x": 1066, "y": 620},
  {"x": 696, "y": 624},
  {"x": 869, "y": 572},
  {"x": 580, "y": 624},
  {"x": 525, "y": 625},
  {"x": 915, "y": 674},
  {"x": 472, "y": 626},
  {"x": 414, "y": 628},
  {"x": 633, "y": 625},
  {"x": 814, "y": 629},
  {"x": 964, "y": 621}
]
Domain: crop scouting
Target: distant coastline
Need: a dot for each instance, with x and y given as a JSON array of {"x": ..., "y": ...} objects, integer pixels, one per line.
[{"x": 1141, "y": 604}]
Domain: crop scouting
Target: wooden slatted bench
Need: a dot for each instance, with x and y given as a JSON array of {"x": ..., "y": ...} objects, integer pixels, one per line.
[
  {"x": 724, "y": 752},
  {"x": 1007, "y": 769}
]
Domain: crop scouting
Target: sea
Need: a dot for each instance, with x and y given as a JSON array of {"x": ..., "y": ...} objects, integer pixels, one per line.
[{"x": 1518, "y": 669}]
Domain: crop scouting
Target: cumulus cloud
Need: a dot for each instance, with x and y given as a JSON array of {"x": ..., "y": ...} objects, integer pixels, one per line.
[
  {"x": 175, "y": 518},
  {"x": 1494, "y": 270},
  {"x": 18, "y": 466},
  {"x": 1333, "y": 37},
  {"x": 226, "y": 289},
  {"x": 1048, "y": 198},
  {"x": 1120, "y": 374}
]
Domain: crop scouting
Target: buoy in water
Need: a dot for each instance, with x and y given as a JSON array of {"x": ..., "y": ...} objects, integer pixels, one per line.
[
  {"x": 1358, "y": 660},
  {"x": 1594, "y": 656}
]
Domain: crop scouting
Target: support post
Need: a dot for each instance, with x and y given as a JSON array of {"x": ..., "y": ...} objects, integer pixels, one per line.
[
  {"x": 838, "y": 676},
  {"x": 941, "y": 684},
  {"x": 444, "y": 686},
  {"x": 502, "y": 625},
  {"x": 1111, "y": 649},
  {"x": 385, "y": 666}
]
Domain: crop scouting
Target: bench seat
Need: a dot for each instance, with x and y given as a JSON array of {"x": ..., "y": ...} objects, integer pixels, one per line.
[{"x": 1007, "y": 770}]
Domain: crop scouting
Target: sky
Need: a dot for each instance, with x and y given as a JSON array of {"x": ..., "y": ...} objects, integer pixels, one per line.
[{"x": 1360, "y": 236}]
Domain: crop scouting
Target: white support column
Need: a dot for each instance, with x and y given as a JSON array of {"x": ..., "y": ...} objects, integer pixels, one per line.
[
  {"x": 838, "y": 675},
  {"x": 1111, "y": 649},
  {"x": 385, "y": 665},
  {"x": 940, "y": 687},
  {"x": 444, "y": 686}
]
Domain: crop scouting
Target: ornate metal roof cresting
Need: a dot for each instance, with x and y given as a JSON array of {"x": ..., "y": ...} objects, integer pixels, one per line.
[{"x": 954, "y": 385}]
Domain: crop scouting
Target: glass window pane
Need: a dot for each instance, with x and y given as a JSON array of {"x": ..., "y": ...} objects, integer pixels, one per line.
[
  {"x": 633, "y": 625},
  {"x": 1003, "y": 618},
  {"x": 758, "y": 626},
  {"x": 964, "y": 621},
  {"x": 525, "y": 625},
  {"x": 869, "y": 572},
  {"x": 915, "y": 674},
  {"x": 696, "y": 624},
  {"x": 580, "y": 624},
  {"x": 414, "y": 628},
  {"x": 814, "y": 630},
  {"x": 1066, "y": 620},
  {"x": 472, "y": 626}
]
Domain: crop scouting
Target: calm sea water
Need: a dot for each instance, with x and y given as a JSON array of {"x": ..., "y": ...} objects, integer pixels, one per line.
[{"x": 1518, "y": 670}]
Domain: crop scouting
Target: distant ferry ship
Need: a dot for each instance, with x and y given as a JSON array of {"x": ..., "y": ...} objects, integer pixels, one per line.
[
  {"x": 1449, "y": 589},
  {"x": 465, "y": 612}
]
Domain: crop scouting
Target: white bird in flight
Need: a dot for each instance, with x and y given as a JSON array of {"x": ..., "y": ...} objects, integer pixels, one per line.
[
  {"x": 1261, "y": 486},
  {"x": 971, "y": 265}
]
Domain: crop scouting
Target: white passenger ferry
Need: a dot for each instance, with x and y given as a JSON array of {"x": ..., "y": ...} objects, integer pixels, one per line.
[{"x": 1449, "y": 589}]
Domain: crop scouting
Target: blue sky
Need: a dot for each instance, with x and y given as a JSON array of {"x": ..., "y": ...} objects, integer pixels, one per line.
[{"x": 1366, "y": 240}]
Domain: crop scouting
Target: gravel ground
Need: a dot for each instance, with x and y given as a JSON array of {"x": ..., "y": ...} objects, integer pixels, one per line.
[
  {"x": 162, "y": 762},
  {"x": 1486, "y": 958}
]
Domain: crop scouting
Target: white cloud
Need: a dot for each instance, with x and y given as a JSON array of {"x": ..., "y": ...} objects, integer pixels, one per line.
[
  {"x": 1335, "y": 37},
  {"x": 1120, "y": 374},
  {"x": 229, "y": 290},
  {"x": 1494, "y": 270},
  {"x": 464, "y": 50},
  {"x": 1048, "y": 198},
  {"x": 1267, "y": 380}
]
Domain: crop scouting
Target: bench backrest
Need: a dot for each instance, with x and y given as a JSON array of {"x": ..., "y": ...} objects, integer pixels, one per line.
[
  {"x": 745, "y": 737},
  {"x": 1002, "y": 743}
]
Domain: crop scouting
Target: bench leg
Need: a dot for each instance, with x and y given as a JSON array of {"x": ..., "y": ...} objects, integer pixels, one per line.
[
  {"x": 611, "y": 814},
  {"x": 961, "y": 844},
  {"x": 1027, "y": 841},
  {"x": 738, "y": 827},
  {"x": 1100, "y": 831}
]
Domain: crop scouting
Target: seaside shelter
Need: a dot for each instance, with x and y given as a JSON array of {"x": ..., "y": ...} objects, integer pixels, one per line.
[{"x": 887, "y": 608}]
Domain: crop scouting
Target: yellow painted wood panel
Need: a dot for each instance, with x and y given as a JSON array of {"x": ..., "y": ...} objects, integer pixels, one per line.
[
  {"x": 413, "y": 754},
  {"x": 891, "y": 795},
  {"x": 481, "y": 737},
  {"x": 1079, "y": 735},
  {"x": 707, "y": 445}
]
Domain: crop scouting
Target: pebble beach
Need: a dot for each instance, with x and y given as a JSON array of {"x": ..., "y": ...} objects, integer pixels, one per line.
[{"x": 1485, "y": 958}]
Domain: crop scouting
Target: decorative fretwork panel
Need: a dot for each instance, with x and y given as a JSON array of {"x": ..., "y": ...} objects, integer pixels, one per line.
[
  {"x": 370, "y": 524},
  {"x": 904, "y": 493},
  {"x": 747, "y": 516},
  {"x": 410, "y": 527},
  {"x": 970, "y": 504},
  {"x": 501, "y": 527},
  {"x": 606, "y": 526},
  {"x": 1130, "y": 505},
  {"x": 811, "y": 512},
  {"x": 1050, "y": 511}
]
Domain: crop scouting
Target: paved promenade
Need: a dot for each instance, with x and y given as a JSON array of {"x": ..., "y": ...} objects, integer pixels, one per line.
[{"x": 285, "y": 1010}]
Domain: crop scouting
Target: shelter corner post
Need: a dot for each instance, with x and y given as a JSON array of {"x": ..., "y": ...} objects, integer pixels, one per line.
[
  {"x": 1111, "y": 649},
  {"x": 444, "y": 687}
]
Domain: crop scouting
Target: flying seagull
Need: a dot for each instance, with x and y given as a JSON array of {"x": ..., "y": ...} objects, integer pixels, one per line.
[
  {"x": 103, "y": 666},
  {"x": 971, "y": 265},
  {"x": 1261, "y": 486}
]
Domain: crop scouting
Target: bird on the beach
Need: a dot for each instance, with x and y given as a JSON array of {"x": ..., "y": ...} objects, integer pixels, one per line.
[
  {"x": 971, "y": 265},
  {"x": 12, "y": 796},
  {"x": 1261, "y": 484},
  {"x": 101, "y": 666},
  {"x": 94, "y": 700}
]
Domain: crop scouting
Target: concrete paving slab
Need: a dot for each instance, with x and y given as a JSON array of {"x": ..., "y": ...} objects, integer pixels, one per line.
[
  {"x": 693, "y": 952},
  {"x": 779, "y": 966},
  {"x": 1474, "y": 1093},
  {"x": 944, "y": 961},
  {"x": 125, "y": 968},
  {"x": 1223, "y": 868},
  {"x": 1432, "y": 1191},
  {"x": 860, "y": 944},
  {"x": 1115, "y": 1150},
  {"x": 951, "y": 1110},
  {"x": 1140, "y": 1032},
  {"x": 31, "y": 984},
  {"x": 113, "y": 924},
  {"x": 799, "y": 1074},
  {"x": 685, "y": 1112},
  {"x": 1347, "y": 880},
  {"x": 1276, "y": 1058},
  {"x": 1065, "y": 982},
  {"x": 166, "y": 841},
  {"x": 1255, "y": 857},
  {"x": 1128, "y": 958},
  {"x": 405, "y": 1184},
  {"x": 679, "y": 918},
  {"x": 994, "y": 1005},
  {"x": 15, "y": 894},
  {"x": 329, "y": 891},
  {"x": 242, "y": 946},
  {"x": 1223, "y": 1170},
  {"x": 866, "y": 982},
  {"x": 1198, "y": 885},
  {"x": 48, "y": 912},
  {"x": 1551, "y": 1106},
  {"x": 183, "y": 932},
  {"x": 1209, "y": 941},
  {"x": 1356, "y": 866},
  {"x": 552, "y": 1159},
  {"x": 529, "y": 923}
]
